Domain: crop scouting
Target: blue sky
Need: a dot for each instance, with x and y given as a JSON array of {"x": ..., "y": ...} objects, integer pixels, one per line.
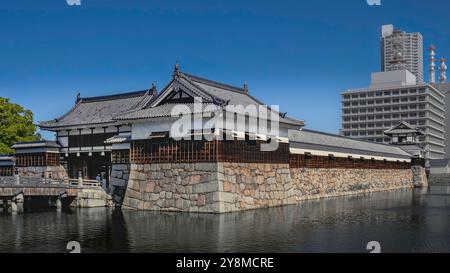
[{"x": 296, "y": 54}]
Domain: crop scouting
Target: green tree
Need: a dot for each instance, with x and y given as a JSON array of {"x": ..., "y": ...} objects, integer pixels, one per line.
[{"x": 16, "y": 124}]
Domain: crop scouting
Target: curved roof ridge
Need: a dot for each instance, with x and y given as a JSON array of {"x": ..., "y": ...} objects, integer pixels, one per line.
[
  {"x": 348, "y": 138},
  {"x": 115, "y": 96},
  {"x": 215, "y": 83}
]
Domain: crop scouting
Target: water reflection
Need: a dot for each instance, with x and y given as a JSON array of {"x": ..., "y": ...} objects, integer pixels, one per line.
[{"x": 402, "y": 221}]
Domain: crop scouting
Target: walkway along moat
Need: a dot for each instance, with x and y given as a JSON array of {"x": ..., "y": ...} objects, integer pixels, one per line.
[{"x": 19, "y": 193}]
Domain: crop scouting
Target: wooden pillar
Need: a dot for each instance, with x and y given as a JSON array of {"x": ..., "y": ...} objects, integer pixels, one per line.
[{"x": 79, "y": 139}]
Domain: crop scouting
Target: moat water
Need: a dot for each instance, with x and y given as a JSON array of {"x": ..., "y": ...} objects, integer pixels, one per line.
[{"x": 402, "y": 221}]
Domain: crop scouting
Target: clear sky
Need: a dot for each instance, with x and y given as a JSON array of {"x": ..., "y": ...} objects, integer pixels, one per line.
[{"x": 297, "y": 54}]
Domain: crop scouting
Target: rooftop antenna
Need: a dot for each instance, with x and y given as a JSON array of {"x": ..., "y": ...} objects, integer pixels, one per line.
[
  {"x": 432, "y": 64},
  {"x": 443, "y": 70}
]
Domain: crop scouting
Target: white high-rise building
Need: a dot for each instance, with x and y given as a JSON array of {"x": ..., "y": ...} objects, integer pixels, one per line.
[{"x": 401, "y": 50}]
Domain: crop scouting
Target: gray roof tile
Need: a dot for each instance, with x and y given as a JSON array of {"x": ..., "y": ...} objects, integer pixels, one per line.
[
  {"x": 98, "y": 110},
  {"x": 308, "y": 139}
]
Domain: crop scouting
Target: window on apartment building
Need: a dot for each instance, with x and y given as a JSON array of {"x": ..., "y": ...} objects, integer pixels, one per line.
[
  {"x": 395, "y": 92},
  {"x": 379, "y": 94},
  {"x": 404, "y": 91},
  {"x": 387, "y": 124},
  {"x": 363, "y": 95},
  {"x": 387, "y": 93},
  {"x": 346, "y": 104}
]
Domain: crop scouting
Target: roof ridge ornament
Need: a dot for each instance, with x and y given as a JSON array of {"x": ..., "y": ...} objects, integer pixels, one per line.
[
  {"x": 78, "y": 97},
  {"x": 245, "y": 88},
  {"x": 153, "y": 89},
  {"x": 176, "y": 71}
]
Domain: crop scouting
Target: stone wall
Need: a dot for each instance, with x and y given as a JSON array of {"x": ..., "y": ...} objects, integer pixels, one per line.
[
  {"x": 419, "y": 176},
  {"x": 91, "y": 198},
  {"x": 192, "y": 187},
  {"x": 56, "y": 172},
  {"x": 323, "y": 183},
  {"x": 227, "y": 187},
  {"x": 120, "y": 174}
]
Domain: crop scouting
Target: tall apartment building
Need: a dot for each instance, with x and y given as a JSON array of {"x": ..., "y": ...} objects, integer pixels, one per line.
[
  {"x": 401, "y": 50},
  {"x": 393, "y": 97}
]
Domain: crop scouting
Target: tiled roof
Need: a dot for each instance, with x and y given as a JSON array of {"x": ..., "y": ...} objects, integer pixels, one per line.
[
  {"x": 164, "y": 110},
  {"x": 213, "y": 93},
  {"x": 308, "y": 139},
  {"x": 98, "y": 110},
  {"x": 36, "y": 144},
  {"x": 402, "y": 128}
]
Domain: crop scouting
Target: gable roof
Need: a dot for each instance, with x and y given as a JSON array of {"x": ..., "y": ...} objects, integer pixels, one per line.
[
  {"x": 402, "y": 128},
  {"x": 101, "y": 110},
  {"x": 314, "y": 140},
  {"x": 211, "y": 92}
]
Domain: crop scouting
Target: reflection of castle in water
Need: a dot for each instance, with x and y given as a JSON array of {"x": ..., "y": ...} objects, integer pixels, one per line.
[{"x": 339, "y": 224}]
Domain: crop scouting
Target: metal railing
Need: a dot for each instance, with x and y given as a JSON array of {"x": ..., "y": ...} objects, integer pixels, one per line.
[{"x": 36, "y": 181}]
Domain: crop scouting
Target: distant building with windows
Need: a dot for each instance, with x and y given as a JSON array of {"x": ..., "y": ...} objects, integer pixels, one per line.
[
  {"x": 401, "y": 50},
  {"x": 394, "y": 97}
]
